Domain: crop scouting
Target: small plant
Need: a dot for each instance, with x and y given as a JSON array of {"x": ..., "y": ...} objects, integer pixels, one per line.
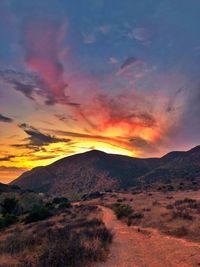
[
  {"x": 156, "y": 203},
  {"x": 123, "y": 211},
  {"x": 38, "y": 213},
  {"x": 119, "y": 200},
  {"x": 137, "y": 215},
  {"x": 179, "y": 232},
  {"x": 59, "y": 200},
  {"x": 129, "y": 222},
  {"x": 9, "y": 205},
  {"x": 169, "y": 207},
  {"x": 7, "y": 220},
  {"x": 182, "y": 214},
  {"x": 64, "y": 205}
]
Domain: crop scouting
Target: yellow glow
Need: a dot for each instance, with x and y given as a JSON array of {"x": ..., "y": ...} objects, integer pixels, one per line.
[{"x": 108, "y": 148}]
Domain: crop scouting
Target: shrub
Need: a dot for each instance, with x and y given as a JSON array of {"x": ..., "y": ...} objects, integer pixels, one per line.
[
  {"x": 169, "y": 207},
  {"x": 80, "y": 242},
  {"x": 17, "y": 243},
  {"x": 59, "y": 200},
  {"x": 9, "y": 205},
  {"x": 182, "y": 214},
  {"x": 123, "y": 211},
  {"x": 156, "y": 203},
  {"x": 7, "y": 220},
  {"x": 137, "y": 215},
  {"x": 129, "y": 222},
  {"x": 64, "y": 205},
  {"x": 179, "y": 232},
  {"x": 146, "y": 209},
  {"x": 38, "y": 213}
]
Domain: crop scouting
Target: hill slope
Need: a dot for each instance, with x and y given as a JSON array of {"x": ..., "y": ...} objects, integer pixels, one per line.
[
  {"x": 183, "y": 166},
  {"x": 96, "y": 170},
  {"x": 4, "y": 188}
]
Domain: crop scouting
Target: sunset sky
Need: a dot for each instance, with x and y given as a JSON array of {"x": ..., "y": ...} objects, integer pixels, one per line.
[{"x": 118, "y": 76}]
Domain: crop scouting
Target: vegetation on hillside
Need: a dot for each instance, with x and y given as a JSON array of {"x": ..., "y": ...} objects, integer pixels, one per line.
[{"x": 50, "y": 232}]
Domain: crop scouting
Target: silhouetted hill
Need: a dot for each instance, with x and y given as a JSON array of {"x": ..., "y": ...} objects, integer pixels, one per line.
[
  {"x": 184, "y": 166},
  {"x": 95, "y": 170},
  {"x": 8, "y": 188}
]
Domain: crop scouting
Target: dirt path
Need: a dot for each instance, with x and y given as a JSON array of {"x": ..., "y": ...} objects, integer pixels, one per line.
[{"x": 131, "y": 248}]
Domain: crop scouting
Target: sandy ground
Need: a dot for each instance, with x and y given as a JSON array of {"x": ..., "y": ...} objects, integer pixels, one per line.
[{"x": 147, "y": 248}]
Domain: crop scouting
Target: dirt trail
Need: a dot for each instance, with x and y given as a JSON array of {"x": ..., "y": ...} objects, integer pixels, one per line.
[{"x": 147, "y": 248}]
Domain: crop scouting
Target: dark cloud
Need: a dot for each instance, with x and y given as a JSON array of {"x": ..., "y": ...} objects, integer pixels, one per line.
[
  {"x": 26, "y": 83},
  {"x": 38, "y": 139},
  {"x": 26, "y": 89},
  {"x": 35, "y": 158},
  {"x": 64, "y": 118},
  {"x": 7, "y": 158},
  {"x": 85, "y": 136},
  {"x": 143, "y": 145},
  {"x": 31, "y": 84},
  {"x": 5, "y": 119},
  {"x": 129, "y": 61},
  {"x": 61, "y": 117}
]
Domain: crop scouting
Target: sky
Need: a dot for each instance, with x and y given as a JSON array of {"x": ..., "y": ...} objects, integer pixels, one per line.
[{"x": 117, "y": 76}]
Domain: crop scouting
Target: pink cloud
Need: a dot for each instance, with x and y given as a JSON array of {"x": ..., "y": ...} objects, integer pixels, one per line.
[{"x": 42, "y": 42}]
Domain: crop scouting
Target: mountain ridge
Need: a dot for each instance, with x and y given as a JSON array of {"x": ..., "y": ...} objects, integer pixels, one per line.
[{"x": 98, "y": 170}]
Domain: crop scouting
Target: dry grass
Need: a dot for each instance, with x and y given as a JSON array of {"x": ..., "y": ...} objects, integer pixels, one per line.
[
  {"x": 172, "y": 213},
  {"x": 72, "y": 238}
]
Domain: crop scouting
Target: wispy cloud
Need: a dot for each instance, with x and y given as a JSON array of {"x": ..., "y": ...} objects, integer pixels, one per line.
[
  {"x": 42, "y": 43},
  {"x": 31, "y": 84},
  {"x": 7, "y": 158},
  {"x": 36, "y": 139},
  {"x": 27, "y": 83},
  {"x": 5, "y": 119}
]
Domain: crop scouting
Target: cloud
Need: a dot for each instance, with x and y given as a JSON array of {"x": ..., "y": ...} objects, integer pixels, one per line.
[
  {"x": 11, "y": 172},
  {"x": 113, "y": 60},
  {"x": 143, "y": 145},
  {"x": 42, "y": 43},
  {"x": 129, "y": 61},
  {"x": 5, "y": 119},
  {"x": 37, "y": 139},
  {"x": 82, "y": 135},
  {"x": 26, "y": 83},
  {"x": 141, "y": 34},
  {"x": 89, "y": 38},
  {"x": 7, "y": 158},
  {"x": 130, "y": 109},
  {"x": 65, "y": 118},
  {"x": 31, "y": 84},
  {"x": 36, "y": 158},
  {"x": 130, "y": 66}
]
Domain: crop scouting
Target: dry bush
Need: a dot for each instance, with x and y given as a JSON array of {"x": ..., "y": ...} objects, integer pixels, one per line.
[
  {"x": 179, "y": 232},
  {"x": 122, "y": 211},
  {"x": 75, "y": 242}
]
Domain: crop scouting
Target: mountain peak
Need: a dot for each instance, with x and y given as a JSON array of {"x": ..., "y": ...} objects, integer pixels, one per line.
[
  {"x": 195, "y": 149},
  {"x": 95, "y": 152}
]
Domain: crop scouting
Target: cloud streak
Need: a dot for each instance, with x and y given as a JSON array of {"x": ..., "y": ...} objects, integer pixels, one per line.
[
  {"x": 42, "y": 43},
  {"x": 29, "y": 84},
  {"x": 6, "y": 119},
  {"x": 37, "y": 139}
]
